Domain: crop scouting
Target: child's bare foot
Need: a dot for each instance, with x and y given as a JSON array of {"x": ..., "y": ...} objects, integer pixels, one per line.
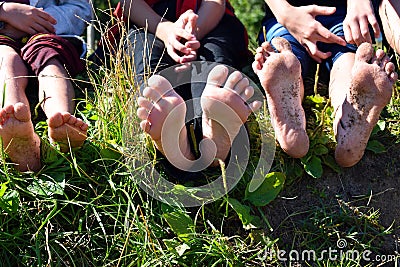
[
  {"x": 225, "y": 109},
  {"x": 372, "y": 83},
  {"x": 280, "y": 76},
  {"x": 163, "y": 112},
  {"x": 20, "y": 141},
  {"x": 67, "y": 130}
]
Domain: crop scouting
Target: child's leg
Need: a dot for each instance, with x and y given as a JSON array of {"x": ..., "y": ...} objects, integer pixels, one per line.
[
  {"x": 20, "y": 141},
  {"x": 389, "y": 12},
  {"x": 358, "y": 97},
  {"x": 57, "y": 93}
]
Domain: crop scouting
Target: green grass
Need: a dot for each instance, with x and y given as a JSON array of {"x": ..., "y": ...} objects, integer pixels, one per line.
[{"x": 85, "y": 208}]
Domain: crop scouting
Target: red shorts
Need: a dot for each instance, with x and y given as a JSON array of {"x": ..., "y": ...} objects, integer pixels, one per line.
[{"x": 40, "y": 48}]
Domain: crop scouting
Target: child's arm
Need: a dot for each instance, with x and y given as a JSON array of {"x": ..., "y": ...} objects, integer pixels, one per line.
[
  {"x": 71, "y": 15},
  {"x": 210, "y": 14},
  {"x": 301, "y": 23},
  {"x": 360, "y": 14}
]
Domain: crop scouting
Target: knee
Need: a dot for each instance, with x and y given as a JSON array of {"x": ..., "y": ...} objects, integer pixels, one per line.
[{"x": 13, "y": 65}]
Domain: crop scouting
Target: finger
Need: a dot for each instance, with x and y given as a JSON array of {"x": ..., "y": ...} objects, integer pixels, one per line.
[
  {"x": 175, "y": 57},
  {"x": 188, "y": 58},
  {"x": 315, "y": 53},
  {"x": 178, "y": 46},
  {"x": 47, "y": 17},
  {"x": 184, "y": 34},
  {"x": 347, "y": 34},
  {"x": 322, "y": 10},
  {"x": 328, "y": 37},
  {"x": 375, "y": 25},
  {"x": 192, "y": 23},
  {"x": 364, "y": 29},
  {"x": 194, "y": 45},
  {"x": 356, "y": 33},
  {"x": 39, "y": 28}
]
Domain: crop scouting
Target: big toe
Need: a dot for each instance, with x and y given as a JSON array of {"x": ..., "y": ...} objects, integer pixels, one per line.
[
  {"x": 218, "y": 75},
  {"x": 160, "y": 84},
  {"x": 365, "y": 52},
  {"x": 56, "y": 120},
  {"x": 281, "y": 44},
  {"x": 21, "y": 112}
]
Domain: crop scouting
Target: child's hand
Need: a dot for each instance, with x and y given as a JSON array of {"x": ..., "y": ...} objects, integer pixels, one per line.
[
  {"x": 360, "y": 15},
  {"x": 301, "y": 23},
  {"x": 27, "y": 18},
  {"x": 181, "y": 43}
]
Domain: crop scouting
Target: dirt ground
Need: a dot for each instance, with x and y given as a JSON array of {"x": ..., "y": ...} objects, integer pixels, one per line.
[{"x": 371, "y": 184}]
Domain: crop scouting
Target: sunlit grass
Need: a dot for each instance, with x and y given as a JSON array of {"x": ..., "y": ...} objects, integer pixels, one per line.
[{"x": 86, "y": 208}]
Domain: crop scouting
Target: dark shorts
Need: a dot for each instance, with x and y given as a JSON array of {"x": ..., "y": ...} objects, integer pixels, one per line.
[
  {"x": 40, "y": 48},
  {"x": 333, "y": 22}
]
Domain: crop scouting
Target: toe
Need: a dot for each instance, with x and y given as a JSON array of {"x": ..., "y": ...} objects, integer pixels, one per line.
[
  {"x": 21, "y": 112},
  {"x": 159, "y": 84},
  {"x": 281, "y": 44},
  {"x": 66, "y": 116},
  {"x": 56, "y": 120},
  {"x": 9, "y": 109},
  {"x": 218, "y": 75},
  {"x": 142, "y": 113},
  {"x": 72, "y": 120},
  {"x": 256, "y": 105},
  {"x": 247, "y": 93},
  {"x": 145, "y": 125},
  {"x": 267, "y": 47},
  {"x": 145, "y": 103},
  {"x": 389, "y": 68},
  {"x": 79, "y": 122},
  {"x": 241, "y": 85},
  {"x": 234, "y": 79},
  {"x": 152, "y": 94},
  {"x": 84, "y": 127},
  {"x": 365, "y": 52}
]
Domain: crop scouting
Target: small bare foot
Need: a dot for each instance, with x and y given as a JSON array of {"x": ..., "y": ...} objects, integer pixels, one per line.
[
  {"x": 163, "y": 112},
  {"x": 225, "y": 108},
  {"x": 67, "y": 130},
  {"x": 373, "y": 78},
  {"x": 280, "y": 76},
  {"x": 20, "y": 141}
]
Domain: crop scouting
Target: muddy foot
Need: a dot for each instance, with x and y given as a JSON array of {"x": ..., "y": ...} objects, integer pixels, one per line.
[
  {"x": 20, "y": 141},
  {"x": 280, "y": 76},
  {"x": 225, "y": 109},
  {"x": 162, "y": 112},
  {"x": 373, "y": 78},
  {"x": 67, "y": 130}
]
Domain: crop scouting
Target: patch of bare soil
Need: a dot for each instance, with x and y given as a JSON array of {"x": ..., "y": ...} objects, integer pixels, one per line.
[{"x": 342, "y": 201}]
